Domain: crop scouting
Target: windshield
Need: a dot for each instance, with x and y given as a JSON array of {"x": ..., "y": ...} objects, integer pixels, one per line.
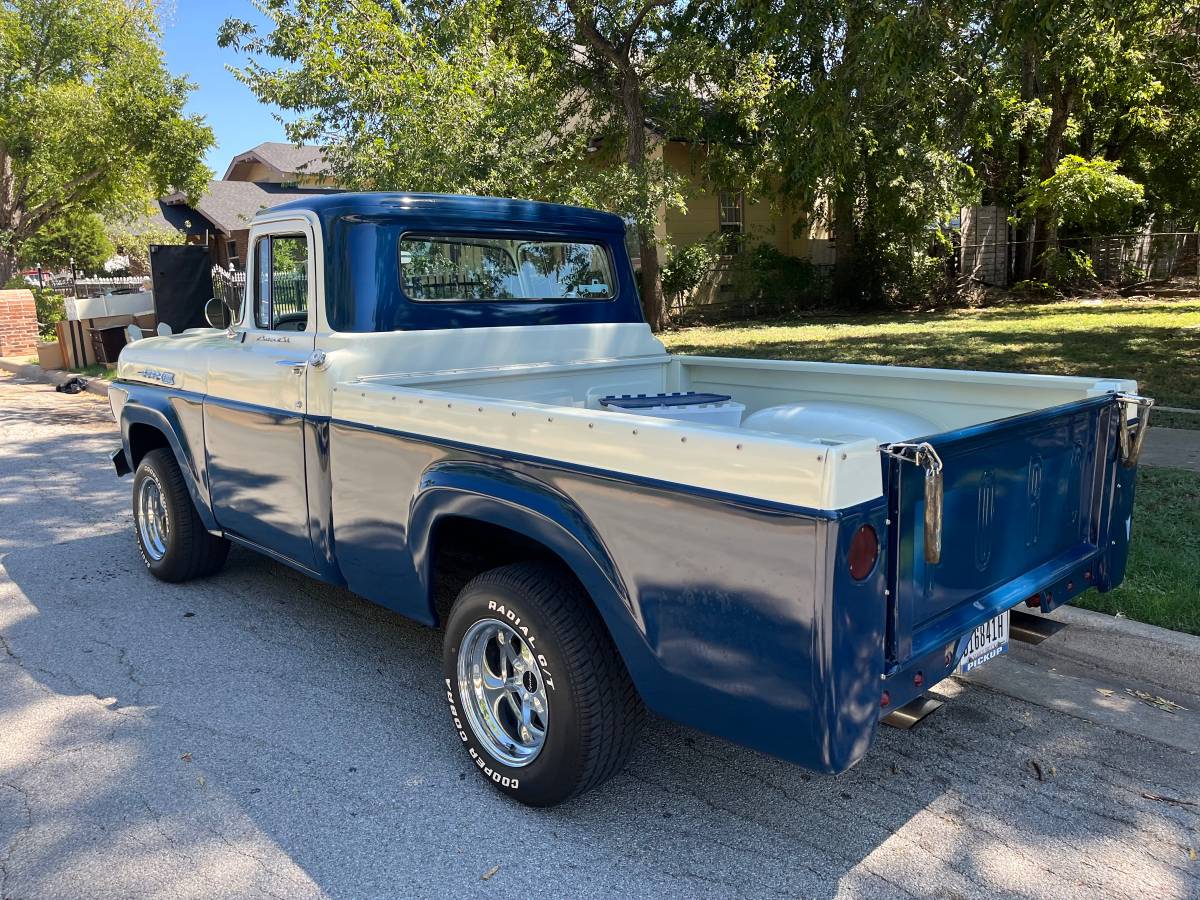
[{"x": 445, "y": 267}]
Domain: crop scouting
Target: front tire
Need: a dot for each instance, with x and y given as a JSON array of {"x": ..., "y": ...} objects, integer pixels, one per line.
[
  {"x": 173, "y": 541},
  {"x": 537, "y": 691}
]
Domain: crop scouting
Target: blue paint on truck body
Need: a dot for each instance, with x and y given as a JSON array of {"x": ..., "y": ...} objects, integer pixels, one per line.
[{"x": 733, "y": 615}]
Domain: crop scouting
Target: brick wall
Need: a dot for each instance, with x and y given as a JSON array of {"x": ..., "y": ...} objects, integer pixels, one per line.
[{"x": 18, "y": 324}]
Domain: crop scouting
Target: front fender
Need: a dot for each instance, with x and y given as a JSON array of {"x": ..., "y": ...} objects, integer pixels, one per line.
[
  {"x": 179, "y": 416},
  {"x": 501, "y": 497}
]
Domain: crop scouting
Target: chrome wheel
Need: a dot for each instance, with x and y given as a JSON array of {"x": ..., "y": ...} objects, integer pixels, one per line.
[
  {"x": 153, "y": 524},
  {"x": 502, "y": 692}
]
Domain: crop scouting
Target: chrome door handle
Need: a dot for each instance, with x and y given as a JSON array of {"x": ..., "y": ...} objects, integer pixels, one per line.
[{"x": 296, "y": 365}]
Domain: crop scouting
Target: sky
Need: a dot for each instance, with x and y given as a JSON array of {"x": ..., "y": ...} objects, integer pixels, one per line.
[{"x": 190, "y": 45}]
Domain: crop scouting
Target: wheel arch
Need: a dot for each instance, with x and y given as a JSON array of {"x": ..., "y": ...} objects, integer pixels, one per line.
[
  {"x": 537, "y": 521},
  {"x": 149, "y": 422}
]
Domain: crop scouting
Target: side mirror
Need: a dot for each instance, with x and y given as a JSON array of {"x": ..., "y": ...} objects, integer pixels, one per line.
[
  {"x": 133, "y": 332},
  {"x": 163, "y": 330},
  {"x": 218, "y": 314}
]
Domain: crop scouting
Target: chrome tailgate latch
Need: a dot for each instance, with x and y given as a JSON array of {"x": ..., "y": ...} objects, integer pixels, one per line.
[
  {"x": 1133, "y": 430},
  {"x": 925, "y": 457}
]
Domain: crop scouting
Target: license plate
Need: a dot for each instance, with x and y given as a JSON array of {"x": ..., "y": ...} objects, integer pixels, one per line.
[{"x": 989, "y": 641}]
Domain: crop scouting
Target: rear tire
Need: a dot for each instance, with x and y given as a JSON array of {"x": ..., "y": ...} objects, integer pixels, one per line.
[
  {"x": 538, "y": 693},
  {"x": 173, "y": 541}
]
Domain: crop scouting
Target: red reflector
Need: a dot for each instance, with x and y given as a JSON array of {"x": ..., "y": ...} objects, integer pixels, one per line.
[
  {"x": 886, "y": 699},
  {"x": 918, "y": 679},
  {"x": 1035, "y": 600},
  {"x": 864, "y": 550}
]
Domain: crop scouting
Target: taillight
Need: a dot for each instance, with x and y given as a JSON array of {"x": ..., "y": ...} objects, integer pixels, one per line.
[{"x": 864, "y": 550}]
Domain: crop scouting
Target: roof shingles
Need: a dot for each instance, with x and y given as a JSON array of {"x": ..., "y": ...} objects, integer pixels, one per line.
[{"x": 230, "y": 205}]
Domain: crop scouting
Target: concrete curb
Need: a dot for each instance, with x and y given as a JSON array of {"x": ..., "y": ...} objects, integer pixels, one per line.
[
  {"x": 1086, "y": 618},
  {"x": 97, "y": 386}
]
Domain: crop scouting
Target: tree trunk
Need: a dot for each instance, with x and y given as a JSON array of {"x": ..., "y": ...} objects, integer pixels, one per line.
[
  {"x": 1024, "y": 150},
  {"x": 1045, "y": 229},
  {"x": 651, "y": 282},
  {"x": 635, "y": 158},
  {"x": 847, "y": 288},
  {"x": 8, "y": 265}
]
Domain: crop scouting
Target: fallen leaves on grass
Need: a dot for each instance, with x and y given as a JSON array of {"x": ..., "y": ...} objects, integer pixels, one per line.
[{"x": 487, "y": 876}]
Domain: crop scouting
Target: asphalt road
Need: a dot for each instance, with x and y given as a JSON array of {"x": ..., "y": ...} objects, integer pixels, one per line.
[{"x": 259, "y": 734}]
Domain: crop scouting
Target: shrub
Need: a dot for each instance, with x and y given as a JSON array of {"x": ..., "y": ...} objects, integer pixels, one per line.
[
  {"x": 1067, "y": 268},
  {"x": 50, "y": 310},
  {"x": 686, "y": 268},
  {"x": 775, "y": 282}
]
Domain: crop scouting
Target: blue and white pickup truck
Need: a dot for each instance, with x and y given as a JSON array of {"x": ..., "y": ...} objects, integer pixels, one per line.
[{"x": 430, "y": 391}]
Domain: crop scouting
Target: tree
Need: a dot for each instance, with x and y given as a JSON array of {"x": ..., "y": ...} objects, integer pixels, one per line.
[
  {"x": 133, "y": 241},
  {"x": 1094, "y": 79},
  {"x": 859, "y": 126},
  {"x": 90, "y": 119},
  {"x": 526, "y": 98},
  {"x": 1088, "y": 195},
  {"x": 77, "y": 239}
]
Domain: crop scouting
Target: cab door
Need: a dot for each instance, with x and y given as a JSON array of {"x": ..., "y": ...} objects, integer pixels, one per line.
[{"x": 255, "y": 406}]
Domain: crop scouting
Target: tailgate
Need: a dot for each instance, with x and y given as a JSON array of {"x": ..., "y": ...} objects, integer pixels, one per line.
[{"x": 1026, "y": 501}]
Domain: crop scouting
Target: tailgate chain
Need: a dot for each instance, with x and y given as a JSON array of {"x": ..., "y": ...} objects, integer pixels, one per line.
[
  {"x": 924, "y": 456},
  {"x": 1132, "y": 433}
]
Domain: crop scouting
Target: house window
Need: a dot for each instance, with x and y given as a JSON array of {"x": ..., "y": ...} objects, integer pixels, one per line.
[
  {"x": 732, "y": 204},
  {"x": 231, "y": 253}
]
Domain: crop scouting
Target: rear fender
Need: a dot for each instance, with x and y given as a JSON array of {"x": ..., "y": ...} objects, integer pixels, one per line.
[{"x": 531, "y": 508}]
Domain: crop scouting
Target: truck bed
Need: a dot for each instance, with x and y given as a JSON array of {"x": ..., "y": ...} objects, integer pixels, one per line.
[{"x": 553, "y": 409}]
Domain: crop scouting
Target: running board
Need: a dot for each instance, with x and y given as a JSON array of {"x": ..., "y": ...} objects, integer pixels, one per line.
[
  {"x": 912, "y": 712},
  {"x": 1030, "y": 629}
]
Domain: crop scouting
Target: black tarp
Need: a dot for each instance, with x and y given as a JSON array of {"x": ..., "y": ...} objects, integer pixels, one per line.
[{"x": 182, "y": 277}]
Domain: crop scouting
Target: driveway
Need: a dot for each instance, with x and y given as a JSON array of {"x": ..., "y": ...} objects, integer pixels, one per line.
[{"x": 259, "y": 734}]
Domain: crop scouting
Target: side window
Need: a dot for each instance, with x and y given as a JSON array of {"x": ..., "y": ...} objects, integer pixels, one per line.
[{"x": 281, "y": 282}]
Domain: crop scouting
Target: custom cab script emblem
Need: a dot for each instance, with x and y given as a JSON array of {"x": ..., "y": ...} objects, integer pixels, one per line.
[{"x": 158, "y": 375}]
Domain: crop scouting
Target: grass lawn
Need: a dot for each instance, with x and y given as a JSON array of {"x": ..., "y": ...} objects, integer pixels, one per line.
[
  {"x": 1155, "y": 341},
  {"x": 1162, "y": 584}
]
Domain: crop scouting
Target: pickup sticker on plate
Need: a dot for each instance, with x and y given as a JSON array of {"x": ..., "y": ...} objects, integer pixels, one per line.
[{"x": 989, "y": 641}]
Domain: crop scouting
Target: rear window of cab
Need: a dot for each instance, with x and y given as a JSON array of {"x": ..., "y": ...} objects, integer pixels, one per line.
[{"x": 467, "y": 269}]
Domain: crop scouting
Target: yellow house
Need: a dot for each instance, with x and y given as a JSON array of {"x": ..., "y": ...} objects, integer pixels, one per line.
[
  {"x": 712, "y": 212},
  {"x": 273, "y": 162}
]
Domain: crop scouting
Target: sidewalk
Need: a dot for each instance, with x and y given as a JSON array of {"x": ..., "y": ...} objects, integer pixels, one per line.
[
  {"x": 1176, "y": 448},
  {"x": 34, "y": 372}
]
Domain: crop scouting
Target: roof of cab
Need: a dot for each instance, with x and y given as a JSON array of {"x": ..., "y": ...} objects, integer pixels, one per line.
[{"x": 432, "y": 207}]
